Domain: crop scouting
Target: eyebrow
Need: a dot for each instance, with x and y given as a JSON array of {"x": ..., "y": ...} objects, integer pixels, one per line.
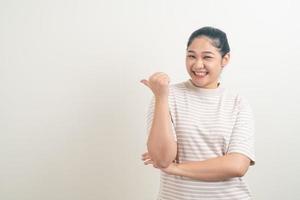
[{"x": 191, "y": 51}]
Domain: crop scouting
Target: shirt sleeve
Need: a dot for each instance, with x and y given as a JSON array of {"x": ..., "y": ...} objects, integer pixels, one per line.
[
  {"x": 242, "y": 137},
  {"x": 150, "y": 118}
]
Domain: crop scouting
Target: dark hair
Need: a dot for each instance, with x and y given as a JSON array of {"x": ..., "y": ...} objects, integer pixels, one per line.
[{"x": 218, "y": 37}]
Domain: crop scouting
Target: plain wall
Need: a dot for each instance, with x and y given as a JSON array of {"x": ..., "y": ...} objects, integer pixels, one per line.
[{"x": 72, "y": 110}]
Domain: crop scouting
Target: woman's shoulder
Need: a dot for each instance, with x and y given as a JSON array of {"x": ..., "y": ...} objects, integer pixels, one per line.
[
  {"x": 240, "y": 97},
  {"x": 177, "y": 88},
  {"x": 178, "y": 85}
]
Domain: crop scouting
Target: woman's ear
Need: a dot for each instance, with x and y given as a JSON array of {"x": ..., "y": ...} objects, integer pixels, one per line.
[{"x": 225, "y": 59}]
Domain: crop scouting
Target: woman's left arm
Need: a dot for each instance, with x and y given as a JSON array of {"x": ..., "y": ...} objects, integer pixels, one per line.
[{"x": 215, "y": 169}]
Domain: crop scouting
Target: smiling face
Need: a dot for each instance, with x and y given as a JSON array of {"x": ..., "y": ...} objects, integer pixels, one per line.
[{"x": 204, "y": 63}]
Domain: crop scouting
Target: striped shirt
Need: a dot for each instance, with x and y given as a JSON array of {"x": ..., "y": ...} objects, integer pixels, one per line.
[{"x": 207, "y": 123}]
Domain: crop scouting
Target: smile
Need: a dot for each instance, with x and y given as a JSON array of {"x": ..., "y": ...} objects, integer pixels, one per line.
[{"x": 200, "y": 74}]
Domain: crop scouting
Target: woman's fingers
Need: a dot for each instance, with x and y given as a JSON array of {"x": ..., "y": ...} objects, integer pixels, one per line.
[
  {"x": 158, "y": 83},
  {"x": 147, "y": 162},
  {"x": 146, "y": 156},
  {"x": 156, "y": 75},
  {"x": 160, "y": 77},
  {"x": 147, "y": 159},
  {"x": 152, "y": 78},
  {"x": 145, "y": 82}
]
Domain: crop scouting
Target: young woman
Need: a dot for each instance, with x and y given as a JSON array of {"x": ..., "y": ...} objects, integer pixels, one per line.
[{"x": 201, "y": 135}]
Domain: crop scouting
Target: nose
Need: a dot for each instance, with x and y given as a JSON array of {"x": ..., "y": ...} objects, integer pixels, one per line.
[{"x": 198, "y": 64}]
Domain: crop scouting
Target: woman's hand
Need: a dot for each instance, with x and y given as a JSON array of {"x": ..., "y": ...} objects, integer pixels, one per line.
[
  {"x": 158, "y": 83},
  {"x": 147, "y": 160},
  {"x": 171, "y": 169}
]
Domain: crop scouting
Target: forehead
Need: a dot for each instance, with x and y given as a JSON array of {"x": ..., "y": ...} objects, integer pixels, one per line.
[{"x": 201, "y": 45}]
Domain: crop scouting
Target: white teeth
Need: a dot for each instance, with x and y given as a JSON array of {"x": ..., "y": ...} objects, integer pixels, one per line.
[{"x": 201, "y": 73}]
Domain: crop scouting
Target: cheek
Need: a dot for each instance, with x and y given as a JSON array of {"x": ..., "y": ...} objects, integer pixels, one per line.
[
  {"x": 209, "y": 65},
  {"x": 213, "y": 65},
  {"x": 214, "y": 70},
  {"x": 188, "y": 64}
]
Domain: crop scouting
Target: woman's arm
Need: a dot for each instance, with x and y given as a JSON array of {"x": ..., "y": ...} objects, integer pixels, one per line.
[
  {"x": 161, "y": 144},
  {"x": 214, "y": 169}
]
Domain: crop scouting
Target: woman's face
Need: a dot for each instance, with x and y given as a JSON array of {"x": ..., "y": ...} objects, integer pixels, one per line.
[{"x": 204, "y": 63}]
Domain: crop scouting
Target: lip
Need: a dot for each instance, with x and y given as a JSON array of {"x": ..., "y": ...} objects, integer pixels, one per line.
[
  {"x": 194, "y": 73},
  {"x": 199, "y": 71}
]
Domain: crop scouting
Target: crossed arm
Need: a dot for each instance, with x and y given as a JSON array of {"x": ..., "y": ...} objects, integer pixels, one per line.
[
  {"x": 214, "y": 169},
  {"x": 162, "y": 150}
]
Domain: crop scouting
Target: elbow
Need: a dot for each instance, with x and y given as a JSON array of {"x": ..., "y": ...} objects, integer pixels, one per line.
[
  {"x": 163, "y": 160},
  {"x": 164, "y": 157},
  {"x": 241, "y": 170},
  {"x": 240, "y": 173},
  {"x": 163, "y": 163},
  {"x": 239, "y": 164}
]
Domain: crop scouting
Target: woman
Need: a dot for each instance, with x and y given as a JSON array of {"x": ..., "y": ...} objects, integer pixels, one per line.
[{"x": 201, "y": 135}]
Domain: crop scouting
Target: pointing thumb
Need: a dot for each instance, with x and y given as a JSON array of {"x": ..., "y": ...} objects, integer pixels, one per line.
[{"x": 145, "y": 82}]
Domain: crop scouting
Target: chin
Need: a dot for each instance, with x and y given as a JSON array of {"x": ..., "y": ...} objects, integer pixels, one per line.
[
  {"x": 198, "y": 83},
  {"x": 203, "y": 84}
]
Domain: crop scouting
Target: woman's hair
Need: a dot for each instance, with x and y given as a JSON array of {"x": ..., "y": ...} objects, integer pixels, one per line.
[{"x": 218, "y": 38}]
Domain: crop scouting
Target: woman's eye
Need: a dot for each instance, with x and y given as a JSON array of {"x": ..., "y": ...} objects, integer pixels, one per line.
[
  {"x": 191, "y": 56},
  {"x": 207, "y": 57}
]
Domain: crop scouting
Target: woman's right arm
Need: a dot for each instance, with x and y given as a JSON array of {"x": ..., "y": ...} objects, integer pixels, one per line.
[{"x": 161, "y": 144}]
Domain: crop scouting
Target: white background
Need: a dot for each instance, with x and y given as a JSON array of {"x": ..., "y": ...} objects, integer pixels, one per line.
[{"x": 72, "y": 110}]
